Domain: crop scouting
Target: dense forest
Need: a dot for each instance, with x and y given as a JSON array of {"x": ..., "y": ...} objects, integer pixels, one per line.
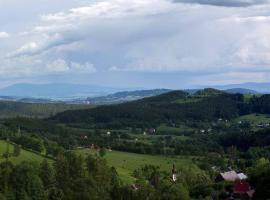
[{"x": 174, "y": 107}]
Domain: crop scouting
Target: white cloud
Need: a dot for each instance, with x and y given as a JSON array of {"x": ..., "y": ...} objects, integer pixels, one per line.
[
  {"x": 151, "y": 36},
  {"x": 226, "y": 3},
  {"x": 61, "y": 65},
  {"x": 4, "y": 35}
]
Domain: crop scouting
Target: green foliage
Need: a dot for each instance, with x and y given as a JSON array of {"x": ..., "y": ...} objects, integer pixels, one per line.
[
  {"x": 30, "y": 142},
  {"x": 46, "y": 174},
  {"x": 102, "y": 152},
  {"x": 16, "y": 150},
  {"x": 10, "y": 109}
]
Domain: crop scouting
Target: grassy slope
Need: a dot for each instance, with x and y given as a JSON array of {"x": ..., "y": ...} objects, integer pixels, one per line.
[
  {"x": 255, "y": 119},
  {"x": 126, "y": 163},
  {"x": 24, "y": 156}
]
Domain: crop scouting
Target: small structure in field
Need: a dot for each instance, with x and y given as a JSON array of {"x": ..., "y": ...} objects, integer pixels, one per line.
[
  {"x": 152, "y": 131},
  {"x": 174, "y": 173},
  {"x": 263, "y": 125}
]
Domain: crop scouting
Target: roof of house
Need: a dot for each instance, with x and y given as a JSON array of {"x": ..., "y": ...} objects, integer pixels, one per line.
[
  {"x": 242, "y": 176},
  {"x": 243, "y": 187},
  {"x": 230, "y": 176}
]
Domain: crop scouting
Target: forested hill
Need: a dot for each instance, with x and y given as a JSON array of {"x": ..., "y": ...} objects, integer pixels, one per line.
[
  {"x": 206, "y": 105},
  {"x": 10, "y": 109}
]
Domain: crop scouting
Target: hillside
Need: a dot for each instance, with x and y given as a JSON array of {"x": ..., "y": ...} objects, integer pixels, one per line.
[
  {"x": 258, "y": 87},
  {"x": 24, "y": 155},
  {"x": 125, "y": 96},
  {"x": 169, "y": 107},
  {"x": 126, "y": 163},
  {"x": 241, "y": 91},
  {"x": 9, "y": 109}
]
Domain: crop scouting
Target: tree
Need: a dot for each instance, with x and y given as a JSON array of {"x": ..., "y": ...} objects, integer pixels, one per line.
[
  {"x": 46, "y": 174},
  {"x": 61, "y": 168},
  {"x": 102, "y": 152},
  {"x": 16, "y": 150},
  {"x": 55, "y": 194},
  {"x": 26, "y": 183}
]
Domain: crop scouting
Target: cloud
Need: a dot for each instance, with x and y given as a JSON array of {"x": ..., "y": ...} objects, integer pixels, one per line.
[
  {"x": 153, "y": 36},
  {"x": 61, "y": 65},
  {"x": 226, "y": 3},
  {"x": 4, "y": 35}
]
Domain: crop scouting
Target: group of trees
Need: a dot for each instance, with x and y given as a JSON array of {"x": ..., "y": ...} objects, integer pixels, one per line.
[{"x": 69, "y": 177}]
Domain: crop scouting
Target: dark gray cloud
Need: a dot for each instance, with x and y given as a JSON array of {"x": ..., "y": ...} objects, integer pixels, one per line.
[{"x": 226, "y": 3}]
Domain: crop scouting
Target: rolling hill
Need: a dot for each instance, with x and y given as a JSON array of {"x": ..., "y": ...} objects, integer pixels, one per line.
[
  {"x": 9, "y": 109},
  {"x": 262, "y": 88},
  {"x": 208, "y": 104},
  {"x": 125, "y": 96}
]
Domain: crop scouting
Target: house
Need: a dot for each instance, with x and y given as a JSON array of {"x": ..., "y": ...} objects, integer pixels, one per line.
[
  {"x": 242, "y": 190},
  {"x": 263, "y": 125},
  {"x": 242, "y": 176},
  {"x": 202, "y": 131},
  {"x": 231, "y": 176}
]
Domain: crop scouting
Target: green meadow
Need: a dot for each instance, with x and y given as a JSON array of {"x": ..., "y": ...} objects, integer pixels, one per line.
[
  {"x": 126, "y": 163},
  {"x": 24, "y": 155},
  {"x": 255, "y": 119}
]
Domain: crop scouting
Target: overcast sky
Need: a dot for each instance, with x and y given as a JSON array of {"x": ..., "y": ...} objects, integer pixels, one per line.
[{"x": 135, "y": 43}]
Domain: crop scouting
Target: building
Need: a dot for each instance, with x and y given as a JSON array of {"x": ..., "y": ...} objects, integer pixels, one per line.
[
  {"x": 231, "y": 176},
  {"x": 242, "y": 190},
  {"x": 174, "y": 173}
]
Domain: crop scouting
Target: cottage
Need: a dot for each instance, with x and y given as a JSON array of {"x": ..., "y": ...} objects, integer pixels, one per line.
[
  {"x": 242, "y": 189},
  {"x": 229, "y": 176}
]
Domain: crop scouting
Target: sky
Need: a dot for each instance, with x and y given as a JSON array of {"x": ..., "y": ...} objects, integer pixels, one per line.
[{"x": 135, "y": 43}]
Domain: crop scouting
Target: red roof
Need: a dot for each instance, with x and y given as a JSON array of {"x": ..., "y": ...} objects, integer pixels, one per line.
[{"x": 241, "y": 187}]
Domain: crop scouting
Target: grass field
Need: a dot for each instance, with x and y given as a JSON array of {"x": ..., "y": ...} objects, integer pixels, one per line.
[
  {"x": 166, "y": 130},
  {"x": 24, "y": 155},
  {"x": 126, "y": 163},
  {"x": 255, "y": 119}
]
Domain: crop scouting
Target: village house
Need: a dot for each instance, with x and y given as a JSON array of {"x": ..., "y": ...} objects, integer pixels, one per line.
[
  {"x": 242, "y": 190},
  {"x": 231, "y": 176}
]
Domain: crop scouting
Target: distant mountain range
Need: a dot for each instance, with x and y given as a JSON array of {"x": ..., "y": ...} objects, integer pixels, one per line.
[
  {"x": 263, "y": 88},
  {"x": 55, "y": 91},
  {"x": 241, "y": 91},
  {"x": 79, "y": 93},
  {"x": 126, "y": 96}
]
